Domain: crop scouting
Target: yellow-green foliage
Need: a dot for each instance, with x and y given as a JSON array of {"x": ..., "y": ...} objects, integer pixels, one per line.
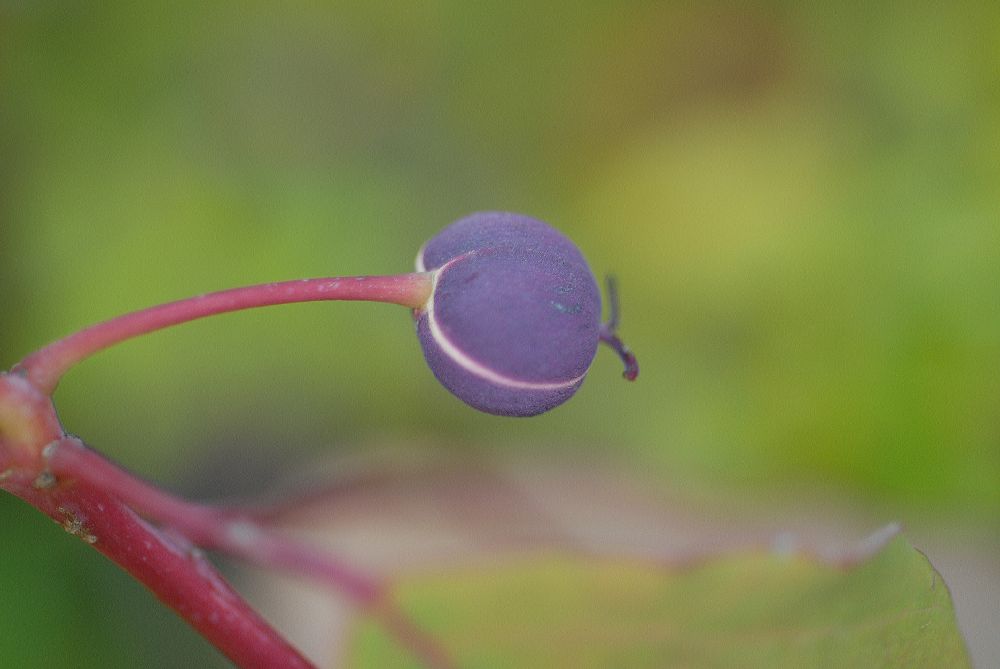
[{"x": 743, "y": 610}]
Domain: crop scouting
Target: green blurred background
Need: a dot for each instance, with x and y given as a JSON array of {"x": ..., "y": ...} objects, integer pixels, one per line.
[{"x": 801, "y": 202}]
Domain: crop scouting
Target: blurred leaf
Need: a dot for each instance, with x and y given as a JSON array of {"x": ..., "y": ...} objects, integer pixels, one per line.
[{"x": 751, "y": 609}]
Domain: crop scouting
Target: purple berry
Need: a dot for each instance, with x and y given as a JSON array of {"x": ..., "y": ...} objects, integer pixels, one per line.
[{"x": 514, "y": 320}]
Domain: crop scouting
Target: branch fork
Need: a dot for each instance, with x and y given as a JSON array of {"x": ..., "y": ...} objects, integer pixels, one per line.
[{"x": 158, "y": 538}]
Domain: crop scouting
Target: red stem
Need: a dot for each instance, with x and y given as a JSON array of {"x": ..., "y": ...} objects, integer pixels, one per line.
[
  {"x": 241, "y": 536},
  {"x": 177, "y": 574},
  {"x": 45, "y": 367},
  {"x": 205, "y": 526}
]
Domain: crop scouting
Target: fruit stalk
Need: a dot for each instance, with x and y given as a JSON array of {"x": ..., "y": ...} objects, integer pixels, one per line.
[{"x": 46, "y": 366}]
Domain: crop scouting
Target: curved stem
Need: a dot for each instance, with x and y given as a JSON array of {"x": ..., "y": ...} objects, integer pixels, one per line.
[{"x": 46, "y": 366}]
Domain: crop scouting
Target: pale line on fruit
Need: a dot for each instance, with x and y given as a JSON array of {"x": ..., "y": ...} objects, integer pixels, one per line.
[{"x": 465, "y": 361}]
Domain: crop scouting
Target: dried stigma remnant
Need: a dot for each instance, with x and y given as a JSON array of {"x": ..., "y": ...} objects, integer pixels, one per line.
[{"x": 513, "y": 322}]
